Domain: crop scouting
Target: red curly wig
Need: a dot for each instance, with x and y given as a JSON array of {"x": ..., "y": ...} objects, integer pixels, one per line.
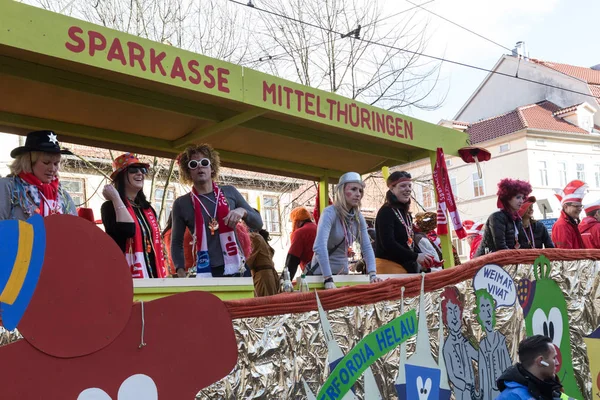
[{"x": 509, "y": 188}]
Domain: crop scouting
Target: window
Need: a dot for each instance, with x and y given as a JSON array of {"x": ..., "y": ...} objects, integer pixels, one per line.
[
  {"x": 76, "y": 188},
  {"x": 562, "y": 174},
  {"x": 427, "y": 197},
  {"x": 478, "y": 189},
  {"x": 504, "y": 147},
  {"x": 448, "y": 163},
  {"x": 458, "y": 245},
  {"x": 158, "y": 198},
  {"x": 543, "y": 173},
  {"x": 597, "y": 175},
  {"x": 596, "y": 147},
  {"x": 271, "y": 212},
  {"x": 540, "y": 142},
  {"x": 454, "y": 186},
  {"x": 580, "y": 172}
]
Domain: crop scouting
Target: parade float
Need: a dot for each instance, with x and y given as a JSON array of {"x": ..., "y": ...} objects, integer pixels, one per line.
[{"x": 77, "y": 327}]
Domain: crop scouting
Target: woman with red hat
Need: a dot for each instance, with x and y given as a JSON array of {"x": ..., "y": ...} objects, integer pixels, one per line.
[
  {"x": 535, "y": 232},
  {"x": 131, "y": 221},
  {"x": 503, "y": 229},
  {"x": 33, "y": 186},
  {"x": 396, "y": 250}
]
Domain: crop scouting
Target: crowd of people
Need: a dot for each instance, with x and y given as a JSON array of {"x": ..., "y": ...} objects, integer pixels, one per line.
[{"x": 214, "y": 232}]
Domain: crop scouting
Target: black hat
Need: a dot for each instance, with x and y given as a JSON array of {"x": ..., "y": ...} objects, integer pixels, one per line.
[{"x": 44, "y": 141}]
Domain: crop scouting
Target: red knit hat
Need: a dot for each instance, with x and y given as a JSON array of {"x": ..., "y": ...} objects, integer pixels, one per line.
[
  {"x": 526, "y": 204},
  {"x": 509, "y": 188}
]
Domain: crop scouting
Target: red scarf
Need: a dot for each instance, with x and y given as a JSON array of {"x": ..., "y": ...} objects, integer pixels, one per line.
[
  {"x": 226, "y": 236},
  {"x": 135, "y": 247},
  {"x": 48, "y": 202},
  {"x": 445, "y": 197}
]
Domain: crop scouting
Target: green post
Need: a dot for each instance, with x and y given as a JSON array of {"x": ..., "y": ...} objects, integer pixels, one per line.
[
  {"x": 445, "y": 241},
  {"x": 323, "y": 193}
]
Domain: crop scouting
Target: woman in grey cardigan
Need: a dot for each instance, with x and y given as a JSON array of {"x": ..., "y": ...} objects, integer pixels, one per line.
[{"x": 340, "y": 226}]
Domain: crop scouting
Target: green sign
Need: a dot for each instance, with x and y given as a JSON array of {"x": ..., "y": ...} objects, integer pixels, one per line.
[{"x": 365, "y": 353}]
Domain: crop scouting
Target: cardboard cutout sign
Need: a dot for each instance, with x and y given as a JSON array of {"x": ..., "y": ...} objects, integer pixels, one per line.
[
  {"x": 498, "y": 283},
  {"x": 545, "y": 311},
  {"x": 84, "y": 340},
  {"x": 366, "y": 352},
  {"x": 593, "y": 350},
  {"x": 458, "y": 352}
]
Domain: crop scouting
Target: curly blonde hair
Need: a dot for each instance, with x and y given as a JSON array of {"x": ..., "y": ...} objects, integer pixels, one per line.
[
  {"x": 205, "y": 150},
  {"x": 24, "y": 162}
]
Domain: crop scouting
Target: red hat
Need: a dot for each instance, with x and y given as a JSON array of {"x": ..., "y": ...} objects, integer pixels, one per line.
[
  {"x": 595, "y": 206},
  {"x": 123, "y": 161},
  {"x": 473, "y": 228},
  {"x": 526, "y": 204},
  {"x": 86, "y": 213},
  {"x": 573, "y": 193}
]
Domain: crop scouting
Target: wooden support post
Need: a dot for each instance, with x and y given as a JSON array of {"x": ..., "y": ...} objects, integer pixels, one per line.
[{"x": 445, "y": 241}]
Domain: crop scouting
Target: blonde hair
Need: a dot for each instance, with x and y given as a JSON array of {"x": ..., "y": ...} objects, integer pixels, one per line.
[
  {"x": 347, "y": 214},
  {"x": 207, "y": 151},
  {"x": 24, "y": 162}
]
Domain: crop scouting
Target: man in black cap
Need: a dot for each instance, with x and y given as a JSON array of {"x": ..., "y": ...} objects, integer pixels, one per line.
[
  {"x": 533, "y": 377},
  {"x": 33, "y": 186}
]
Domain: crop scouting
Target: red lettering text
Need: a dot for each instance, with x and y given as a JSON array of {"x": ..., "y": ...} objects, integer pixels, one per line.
[
  {"x": 332, "y": 103},
  {"x": 116, "y": 52},
  {"x": 208, "y": 73},
  {"x": 97, "y": 42},
  {"x": 308, "y": 104},
  {"x": 365, "y": 118},
  {"x": 399, "y": 127},
  {"x": 389, "y": 122},
  {"x": 269, "y": 89},
  {"x": 380, "y": 122},
  {"x": 344, "y": 113},
  {"x": 288, "y": 91},
  {"x": 156, "y": 62},
  {"x": 177, "y": 70},
  {"x": 136, "y": 53},
  {"x": 300, "y": 94},
  {"x": 222, "y": 80},
  {"x": 192, "y": 65},
  {"x": 408, "y": 128},
  {"x": 79, "y": 44},
  {"x": 319, "y": 113}
]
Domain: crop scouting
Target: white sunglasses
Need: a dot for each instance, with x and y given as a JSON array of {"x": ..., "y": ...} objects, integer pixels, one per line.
[{"x": 193, "y": 164}]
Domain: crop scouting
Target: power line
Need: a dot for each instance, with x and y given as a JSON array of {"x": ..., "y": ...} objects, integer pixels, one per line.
[
  {"x": 441, "y": 59},
  {"x": 458, "y": 25},
  {"x": 401, "y": 12}
]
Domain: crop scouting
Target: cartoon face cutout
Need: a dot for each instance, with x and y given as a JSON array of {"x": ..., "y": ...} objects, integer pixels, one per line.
[
  {"x": 423, "y": 389},
  {"x": 137, "y": 386},
  {"x": 545, "y": 310},
  {"x": 453, "y": 315},
  {"x": 550, "y": 325}
]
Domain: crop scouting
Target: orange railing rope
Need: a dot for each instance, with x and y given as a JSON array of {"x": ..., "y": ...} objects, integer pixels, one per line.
[{"x": 287, "y": 303}]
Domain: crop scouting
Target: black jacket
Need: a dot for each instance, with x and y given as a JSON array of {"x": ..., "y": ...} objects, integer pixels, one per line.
[
  {"x": 541, "y": 236},
  {"x": 538, "y": 389},
  {"x": 499, "y": 233},
  {"x": 391, "y": 238}
]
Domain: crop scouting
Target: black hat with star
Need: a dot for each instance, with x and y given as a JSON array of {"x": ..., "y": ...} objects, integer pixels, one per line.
[{"x": 44, "y": 141}]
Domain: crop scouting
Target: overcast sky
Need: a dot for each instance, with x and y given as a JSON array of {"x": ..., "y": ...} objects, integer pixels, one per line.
[{"x": 554, "y": 30}]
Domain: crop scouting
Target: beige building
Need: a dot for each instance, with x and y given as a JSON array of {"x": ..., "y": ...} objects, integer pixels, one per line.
[{"x": 542, "y": 134}]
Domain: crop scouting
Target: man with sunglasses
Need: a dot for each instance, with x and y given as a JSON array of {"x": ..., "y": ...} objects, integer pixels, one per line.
[
  {"x": 211, "y": 213},
  {"x": 565, "y": 233}
]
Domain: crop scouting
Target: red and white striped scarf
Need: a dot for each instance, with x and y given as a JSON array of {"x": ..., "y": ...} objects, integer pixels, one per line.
[{"x": 445, "y": 197}]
